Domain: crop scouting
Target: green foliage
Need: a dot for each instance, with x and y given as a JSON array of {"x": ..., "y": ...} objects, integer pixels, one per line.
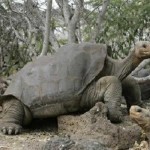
[{"x": 125, "y": 22}]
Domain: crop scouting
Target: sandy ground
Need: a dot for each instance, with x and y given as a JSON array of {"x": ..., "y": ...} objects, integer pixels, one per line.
[{"x": 32, "y": 138}]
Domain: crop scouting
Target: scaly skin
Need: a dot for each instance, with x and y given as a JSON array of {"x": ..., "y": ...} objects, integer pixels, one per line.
[
  {"x": 14, "y": 115},
  {"x": 141, "y": 116},
  {"x": 106, "y": 87},
  {"x": 108, "y": 90}
]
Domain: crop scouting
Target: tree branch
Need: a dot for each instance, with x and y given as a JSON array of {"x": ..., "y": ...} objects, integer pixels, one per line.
[
  {"x": 72, "y": 25},
  {"x": 100, "y": 19},
  {"x": 10, "y": 8},
  {"x": 16, "y": 32},
  {"x": 30, "y": 28}
]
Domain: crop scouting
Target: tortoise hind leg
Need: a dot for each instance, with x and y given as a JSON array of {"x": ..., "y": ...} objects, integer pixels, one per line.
[
  {"x": 131, "y": 92},
  {"x": 14, "y": 115}
]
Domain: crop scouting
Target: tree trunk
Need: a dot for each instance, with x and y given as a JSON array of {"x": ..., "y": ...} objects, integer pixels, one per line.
[
  {"x": 47, "y": 28},
  {"x": 71, "y": 17}
]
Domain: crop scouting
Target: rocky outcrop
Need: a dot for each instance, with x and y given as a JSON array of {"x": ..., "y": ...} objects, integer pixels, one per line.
[
  {"x": 68, "y": 144},
  {"x": 94, "y": 127}
]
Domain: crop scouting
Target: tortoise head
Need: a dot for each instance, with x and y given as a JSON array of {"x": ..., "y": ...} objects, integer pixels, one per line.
[
  {"x": 142, "y": 49},
  {"x": 141, "y": 116}
]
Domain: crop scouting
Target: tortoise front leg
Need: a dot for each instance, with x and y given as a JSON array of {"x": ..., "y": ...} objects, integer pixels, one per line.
[
  {"x": 14, "y": 115},
  {"x": 108, "y": 90}
]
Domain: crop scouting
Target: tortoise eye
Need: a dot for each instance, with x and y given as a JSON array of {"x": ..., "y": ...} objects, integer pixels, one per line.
[
  {"x": 139, "y": 110},
  {"x": 144, "y": 46}
]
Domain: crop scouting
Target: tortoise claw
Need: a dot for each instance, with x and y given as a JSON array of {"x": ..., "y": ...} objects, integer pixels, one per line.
[
  {"x": 18, "y": 131},
  {"x": 11, "y": 129},
  {"x": 4, "y": 131}
]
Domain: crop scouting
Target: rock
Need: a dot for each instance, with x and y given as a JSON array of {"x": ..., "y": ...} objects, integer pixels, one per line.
[
  {"x": 94, "y": 125},
  {"x": 68, "y": 144},
  {"x": 58, "y": 143}
]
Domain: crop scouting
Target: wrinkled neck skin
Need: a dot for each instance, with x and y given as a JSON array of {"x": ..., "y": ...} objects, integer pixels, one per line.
[{"x": 121, "y": 68}]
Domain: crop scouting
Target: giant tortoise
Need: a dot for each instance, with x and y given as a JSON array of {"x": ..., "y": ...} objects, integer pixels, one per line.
[
  {"x": 74, "y": 79},
  {"x": 141, "y": 116}
]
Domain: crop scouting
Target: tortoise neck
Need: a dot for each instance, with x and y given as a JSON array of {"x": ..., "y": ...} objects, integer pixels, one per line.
[{"x": 127, "y": 65}]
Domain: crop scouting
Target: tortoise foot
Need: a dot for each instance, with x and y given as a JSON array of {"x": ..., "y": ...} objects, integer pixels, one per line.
[
  {"x": 115, "y": 116},
  {"x": 10, "y": 128}
]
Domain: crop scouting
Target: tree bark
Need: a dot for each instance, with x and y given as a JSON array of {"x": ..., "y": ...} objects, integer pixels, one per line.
[
  {"x": 71, "y": 17},
  {"x": 47, "y": 28},
  {"x": 72, "y": 25}
]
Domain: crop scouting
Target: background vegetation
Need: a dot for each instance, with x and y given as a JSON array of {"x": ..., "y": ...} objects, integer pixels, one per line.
[{"x": 25, "y": 25}]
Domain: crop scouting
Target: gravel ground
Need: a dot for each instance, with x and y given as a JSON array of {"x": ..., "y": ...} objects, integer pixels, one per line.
[{"x": 34, "y": 137}]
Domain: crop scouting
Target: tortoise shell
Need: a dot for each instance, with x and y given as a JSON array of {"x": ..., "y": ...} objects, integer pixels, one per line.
[{"x": 60, "y": 77}]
